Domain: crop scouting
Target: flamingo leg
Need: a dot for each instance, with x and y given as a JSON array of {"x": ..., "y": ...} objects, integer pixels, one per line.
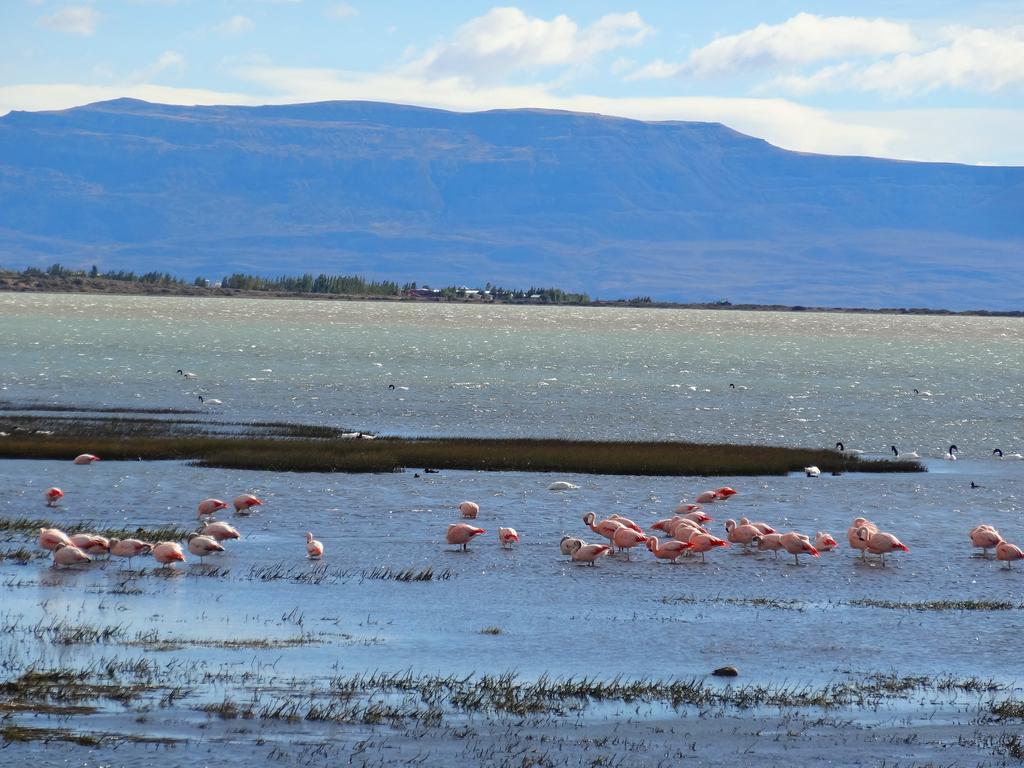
[{"x": 796, "y": 557}]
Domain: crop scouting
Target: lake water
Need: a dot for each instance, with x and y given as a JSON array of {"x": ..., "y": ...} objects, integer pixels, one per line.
[{"x": 801, "y": 379}]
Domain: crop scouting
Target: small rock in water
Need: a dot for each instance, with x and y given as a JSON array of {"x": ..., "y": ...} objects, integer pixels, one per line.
[{"x": 726, "y": 672}]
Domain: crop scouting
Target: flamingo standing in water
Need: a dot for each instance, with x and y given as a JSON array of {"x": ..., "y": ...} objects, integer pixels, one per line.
[
  {"x": 762, "y": 527},
  {"x": 203, "y": 546},
  {"x": 588, "y": 553},
  {"x": 984, "y": 537},
  {"x": 626, "y": 522},
  {"x": 91, "y": 544},
  {"x": 824, "y": 542},
  {"x": 705, "y": 542},
  {"x": 568, "y": 544},
  {"x": 245, "y": 502},
  {"x": 167, "y": 553},
  {"x": 469, "y": 509},
  {"x": 129, "y": 548},
  {"x": 879, "y": 542},
  {"x": 508, "y": 537},
  {"x": 51, "y": 538},
  {"x": 68, "y": 554},
  {"x": 670, "y": 550},
  {"x": 314, "y": 549},
  {"x": 707, "y": 497},
  {"x": 770, "y": 542},
  {"x": 52, "y": 496},
  {"x": 744, "y": 533},
  {"x": 606, "y": 528},
  {"x": 461, "y": 534},
  {"x": 797, "y": 544},
  {"x": 725, "y": 492},
  {"x": 85, "y": 458},
  {"x": 685, "y": 508},
  {"x": 1007, "y": 552},
  {"x": 221, "y": 531},
  {"x": 855, "y": 541},
  {"x": 210, "y": 506},
  {"x": 626, "y": 538}
]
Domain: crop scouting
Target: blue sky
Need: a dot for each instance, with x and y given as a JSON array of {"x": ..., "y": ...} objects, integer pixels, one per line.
[{"x": 939, "y": 80}]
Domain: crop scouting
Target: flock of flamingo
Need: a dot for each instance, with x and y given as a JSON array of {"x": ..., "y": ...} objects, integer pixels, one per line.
[{"x": 686, "y": 532}]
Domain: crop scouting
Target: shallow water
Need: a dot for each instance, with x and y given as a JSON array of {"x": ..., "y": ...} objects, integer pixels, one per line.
[{"x": 810, "y": 379}]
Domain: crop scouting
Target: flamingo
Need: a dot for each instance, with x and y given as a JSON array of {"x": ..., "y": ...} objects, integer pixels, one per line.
[
  {"x": 68, "y": 554},
  {"x": 91, "y": 544},
  {"x": 725, "y": 491},
  {"x": 52, "y": 496},
  {"x": 507, "y": 536},
  {"x": 707, "y": 497},
  {"x": 627, "y": 522},
  {"x": 167, "y": 553},
  {"x": 745, "y": 533},
  {"x": 469, "y": 509},
  {"x": 984, "y": 537},
  {"x": 878, "y": 542},
  {"x": 203, "y": 546},
  {"x": 684, "y": 528},
  {"x": 461, "y": 533},
  {"x": 129, "y": 548},
  {"x": 950, "y": 455},
  {"x": 605, "y": 528},
  {"x": 906, "y": 455},
  {"x": 1001, "y": 455},
  {"x": 762, "y": 527},
  {"x": 314, "y": 549},
  {"x": 85, "y": 458},
  {"x": 568, "y": 545},
  {"x": 824, "y": 542},
  {"x": 245, "y": 502},
  {"x": 685, "y": 508},
  {"x": 562, "y": 485},
  {"x": 855, "y": 540},
  {"x": 796, "y": 543},
  {"x": 627, "y": 538},
  {"x": 770, "y": 542},
  {"x": 670, "y": 550},
  {"x": 221, "y": 531},
  {"x": 812, "y": 471},
  {"x": 51, "y": 538},
  {"x": 1007, "y": 552},
  {"x": 705, "y": 542},
  {"x": 209, "y": 506},
  {"x": 588, "y": 553}
]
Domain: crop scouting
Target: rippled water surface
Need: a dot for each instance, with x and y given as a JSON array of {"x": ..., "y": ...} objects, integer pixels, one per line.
[{"x": 803, "y": 379}]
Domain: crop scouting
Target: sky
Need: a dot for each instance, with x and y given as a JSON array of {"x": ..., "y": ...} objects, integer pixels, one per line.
[{"x": 937, "y": 80}]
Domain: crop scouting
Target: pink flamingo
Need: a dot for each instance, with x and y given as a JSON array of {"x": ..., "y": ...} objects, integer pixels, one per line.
[
  {"x": 762, "y": 527},
  {"x": 507, "y": 537},
  {"x": 51, "y": 538},
  {"x": 85, "y": 458},
  {"x": 824, "y": 542},
  {"x": 707, "y": 497},
  {"x": 469, "y": 509},
  {"x": 129, "y": 548},
  {"x": 91, "y": 544},
  {"x": 683, "y": 528},
  {"x": 167, "y": 553},
  {"x": 68, "y": 554},
  {"x": 670, "y": 550},
  {"x": 855, "y": 541},
  {"x": 221, "y": 531},
  {"x": 245, "y": 502},
  {"x": 627, "y": 538},
  {"x": 878, "y": 542},
  {"x": 984, "y": 537},
  {"x": 663, "y": 525},
  {"x": 797, "y": 544},
  {"x": 725, "y": 492},
  {"x": 203, "y": 546},
  {"x": 209, "y": 506},
  {"x": 744, "y": 533},
  {"x": 705, "y": 542},
  {"x": 589, "y": 553},
  {"x": 606, "y": 528},
  {"x": 626, "y": 522},
  {"x": 770, "y": 542},
  {"x": 314, "y": 549},
  {"x": 52, "y": 496},
  {"x": 568, "y": 545},
  {"x": 461, "y": 533},
  {"x": 1008, "y": 552},
  {"x": 686, "y": 508}
]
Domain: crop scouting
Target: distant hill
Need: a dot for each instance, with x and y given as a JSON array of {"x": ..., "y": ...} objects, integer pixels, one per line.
[{"x": 609, "y": 206}]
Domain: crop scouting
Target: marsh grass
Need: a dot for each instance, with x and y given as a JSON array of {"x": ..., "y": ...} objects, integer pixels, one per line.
[
  {"x": 24, "y": 733},
  {"x": 22, "y": 556},
  {"x": 32, "y": 526},
  {"x": 785, "y": 604},
  {"x": 151, "y": 640},
  {"x": 258, "y": 448},
  {"x": 321, "y": 573},
  {"x": 940, "y": 605}
]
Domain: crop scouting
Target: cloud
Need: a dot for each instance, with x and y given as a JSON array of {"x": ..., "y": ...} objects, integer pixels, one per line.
[
  {"x": 967, "y": 59},
  {"x": 800, "y": 40},
  {"x": 73, "y": 19},
  {"x": 235, "y": 26},
  {"x": 165, "y": 61},
  {"x": 341, "y": 11},
  {"x": 504, "y": 40}
]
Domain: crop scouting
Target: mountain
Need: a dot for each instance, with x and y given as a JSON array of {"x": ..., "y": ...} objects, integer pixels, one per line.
[{"x": 609, "y": 206}]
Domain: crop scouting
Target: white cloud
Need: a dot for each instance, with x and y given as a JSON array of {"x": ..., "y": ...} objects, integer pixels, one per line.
[
  {"x": 968, "y": 59},
  {"x": 73, "y": 19},
  {"x": 235, "y": 26},
  {"x": 168, "y": 60},
  {"x": 341, "y": 11},
  {"x": 506, "y": 39}
]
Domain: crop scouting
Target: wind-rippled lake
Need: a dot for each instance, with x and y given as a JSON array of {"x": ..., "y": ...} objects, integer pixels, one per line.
[{"x": 800, "y": 379}]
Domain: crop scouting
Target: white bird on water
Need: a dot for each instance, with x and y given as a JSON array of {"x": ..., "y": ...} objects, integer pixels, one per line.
[{"x": 210, "y": 401}]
